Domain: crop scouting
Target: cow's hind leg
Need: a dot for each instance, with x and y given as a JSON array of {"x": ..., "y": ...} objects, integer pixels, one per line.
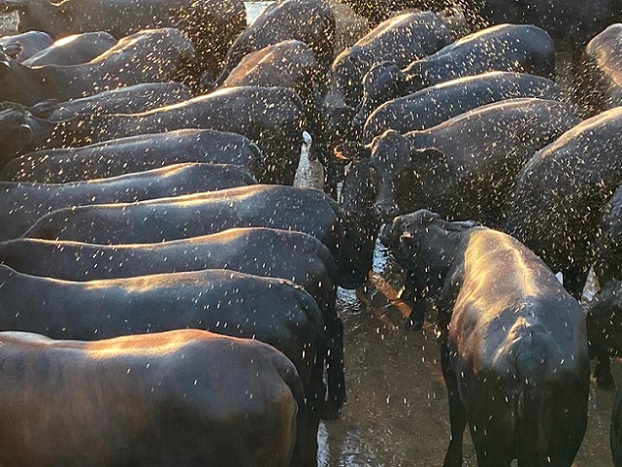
[
  {"x": 457, "y": 412},
  {"x": 335, "y": 371}
]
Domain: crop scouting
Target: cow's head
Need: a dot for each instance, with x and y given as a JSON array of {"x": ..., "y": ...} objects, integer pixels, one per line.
[
  {"x": 405, "y": 173},
  {"x": 604, "y": 321},
  {"x": 348, "y": 71},
  {"x": 16, "y": 135},
  {"x": 383, "y": 82},
  {"x": 5, "y": 63},
  {"x": 359, "y": 225},
  {"x": 13, "y": 50},
  {"x": 24, "y": 129},
  {"x": 426, "y": 246}
]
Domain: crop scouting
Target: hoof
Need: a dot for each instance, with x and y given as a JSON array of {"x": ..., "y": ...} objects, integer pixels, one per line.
[
  {"x": 605, "y": 382},
  {"x": 330, "y": 412}
]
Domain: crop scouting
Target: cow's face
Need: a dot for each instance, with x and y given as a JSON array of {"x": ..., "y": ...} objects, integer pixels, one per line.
[
  {"x": 424, "y": 243},
  {"x": 385, "y": 81},
  {"x": 390, "y": 159},
  {"x": 348, "y": 74},
  {"x": 604, "y": 320},
  {"x": 359, "y": 225},
  {"x": 16, "y": 134}
]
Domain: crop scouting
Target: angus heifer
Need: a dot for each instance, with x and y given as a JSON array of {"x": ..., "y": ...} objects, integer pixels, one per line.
[
  {"x": 513, "y": 347},
  {"x": 602, "y": 74},
  {"x": 274, "y": 311},
  {"x": 507, "y": 47},
  {"x": 134, "y": 154},
  {"x": 180, "y": 397},
  {"x": 73, "y": 50},
  {"x": 150, "y": 55},
  {"x": 309, "y": 21},
  {"x": 126, "y": 100},
  {"x": 289, "y": 64},
  {"x": 560, "y": 192},
  {"x": 273, "y": 118},
  {"x": 21, "y": 204},
  {"x": 22, "y": 46},
  {"x": 574, "y": 22},
  {"x": 464, "y": 167},
  {"x": 426, "y": 108},
  {"x": 402, "y": 39}
]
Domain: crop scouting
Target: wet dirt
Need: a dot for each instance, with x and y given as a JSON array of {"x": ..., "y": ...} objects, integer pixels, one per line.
[{"x": 397, "y": 412}]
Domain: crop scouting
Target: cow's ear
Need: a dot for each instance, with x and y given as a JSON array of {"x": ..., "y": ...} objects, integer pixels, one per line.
[
  {"x": 13, "y": 49},
  {"x": 413, "y": 83},
  {"x": 7, "y": 6},
  {"x": 351, "y": 151},
  {"x": 44, "y": 109},
  {"x": 408, "y": 243},
  {"x": 5, "y": 62},
  {"x": 25, "y": 134},
  {"x": 431, "y": 158}
]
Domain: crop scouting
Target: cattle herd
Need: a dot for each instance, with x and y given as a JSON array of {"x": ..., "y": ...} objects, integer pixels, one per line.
[{"x": 168, "y": 297}]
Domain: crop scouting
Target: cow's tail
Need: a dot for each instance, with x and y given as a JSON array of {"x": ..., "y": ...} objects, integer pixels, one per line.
[
  {"x": 532, "y": 355},
  {"x": 290, "y": 376}
]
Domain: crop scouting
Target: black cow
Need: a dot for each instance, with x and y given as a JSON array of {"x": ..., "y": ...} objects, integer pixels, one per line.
[
  {"x": 212, "y": 25},
  {"x": 602, "y": 73},
  {"x": 513, "y": 341},
  {"x": 295, "y": 256},
  {"x": 150, "y": 55},
  {"x": 274, "y": 206},
  {"x": 22, "y": 46},
  {"x": 560, "y": 191},
  {"x": 274, "y": 311},
  {"x": 21, "y": 204},
  {"x": 380, "y": 10},
  {"x": 574, "y": 22},
  {"x": 464, "y": 167},
  {"x": 290, "y": 64},
  {"x": 134, "y": 154},
  {"x": 401, "y": 39},
  {"x": 604, "y": 318},
  {"x": 125, "y": 100},
  {"x": 180, "y": 397},
  {"x": 273, "y": 118},
  {"x": 607, "y": 260},
  {"x": 603, "y": 312},
  {"x": 507, "y": 47},
  {"x": 73, "y": 50},
  {"x": 429, "y": 107},
  {"x": 309, "y": 21}
]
